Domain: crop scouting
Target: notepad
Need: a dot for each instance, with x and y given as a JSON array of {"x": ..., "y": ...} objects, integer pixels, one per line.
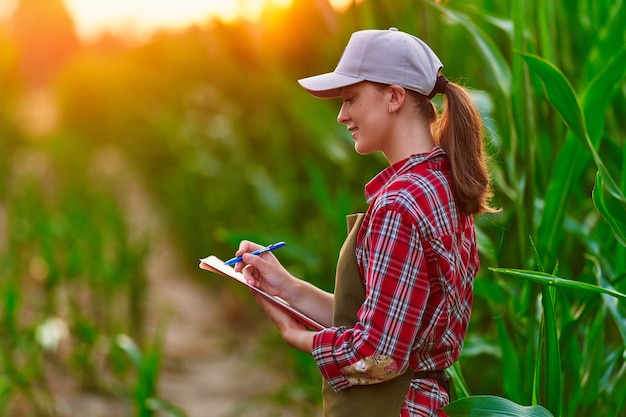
[{"x": 216, "y": 265}]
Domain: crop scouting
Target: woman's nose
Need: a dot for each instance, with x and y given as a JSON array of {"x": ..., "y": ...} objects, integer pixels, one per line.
[{"x": 342, "y": 117}]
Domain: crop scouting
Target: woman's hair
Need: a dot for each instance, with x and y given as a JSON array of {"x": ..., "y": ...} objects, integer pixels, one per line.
[{"x": 459, "y": 132}]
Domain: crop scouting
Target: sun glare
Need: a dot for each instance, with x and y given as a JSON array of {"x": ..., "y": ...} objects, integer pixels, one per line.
[
  {"x": 342, "y": 5},
  {"x": 137, "y": 18}
]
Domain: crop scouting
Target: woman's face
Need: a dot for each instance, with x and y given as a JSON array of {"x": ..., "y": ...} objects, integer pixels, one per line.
[{"x": 365, "y": 111}]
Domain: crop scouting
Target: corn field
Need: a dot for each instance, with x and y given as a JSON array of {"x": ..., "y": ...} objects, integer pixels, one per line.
[{"x": 232, "y": 148}]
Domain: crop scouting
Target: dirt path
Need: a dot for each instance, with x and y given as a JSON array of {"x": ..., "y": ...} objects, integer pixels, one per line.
[{"x": 208, "y": 368}]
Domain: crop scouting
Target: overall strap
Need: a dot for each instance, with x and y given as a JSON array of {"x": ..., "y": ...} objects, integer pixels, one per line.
[{"x": 377, "y": 400}]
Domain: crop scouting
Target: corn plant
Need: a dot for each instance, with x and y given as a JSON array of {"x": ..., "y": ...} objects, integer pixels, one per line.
[
  {"x": 146, "y": 364},
  {"x": 71, "y": 280},
  {"x": 562, "y": 389}
]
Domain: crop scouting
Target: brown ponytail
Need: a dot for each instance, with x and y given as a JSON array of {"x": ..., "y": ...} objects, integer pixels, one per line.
[{"x": 459, "y": 132}]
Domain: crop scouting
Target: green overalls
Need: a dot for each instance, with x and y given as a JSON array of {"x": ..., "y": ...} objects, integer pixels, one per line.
[{"x": 377, "y": 400}]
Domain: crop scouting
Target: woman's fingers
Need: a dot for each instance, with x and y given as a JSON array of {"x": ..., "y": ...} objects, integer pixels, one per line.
[
  {"x": 246, "y": 246},
  {"x": 255, "y": 269}
]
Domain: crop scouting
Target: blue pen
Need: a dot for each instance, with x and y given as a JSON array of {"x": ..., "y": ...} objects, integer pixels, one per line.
[{"x": 256, "y": 252}]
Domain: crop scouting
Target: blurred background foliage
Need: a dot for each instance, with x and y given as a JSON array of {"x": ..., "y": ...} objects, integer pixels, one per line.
[{"x": 226, "y": 143}]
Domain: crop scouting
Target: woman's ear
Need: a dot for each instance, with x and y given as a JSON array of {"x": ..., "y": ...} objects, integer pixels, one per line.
[{"x": 396, "y": 98}]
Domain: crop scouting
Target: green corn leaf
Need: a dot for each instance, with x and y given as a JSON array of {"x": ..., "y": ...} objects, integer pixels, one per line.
[
  {"x": 512, "y": 367},
  {"x": 619, "y": 315},
  {"x": 560, "y": 93},
  {"x": 492, "y": 406},
  {"x": 572, "y": 157},
  {"x": 599, "y": 92},
  {"x": 547, "y": 342},
  {"x": 164, "y": 407},
  {"x": 563, "y": 98},
  {"x": 458, "y": 380},
  {"x": 608, "y": 42},
  {"x": 11, "y": 308},
  {"x": 548, "y": 279},
  {"x": 612, "y": 207},
  {"x": 494, "y": 58},
  {"x": 552, "y": 386},
  {"x": 595, "y": 355},
  {"x": 128, "y": 345}
]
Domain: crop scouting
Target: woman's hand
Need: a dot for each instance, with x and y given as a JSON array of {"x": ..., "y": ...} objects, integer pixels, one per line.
[
  {"x": 265, "y": 271},
  {"x": 291, "y": 330}
]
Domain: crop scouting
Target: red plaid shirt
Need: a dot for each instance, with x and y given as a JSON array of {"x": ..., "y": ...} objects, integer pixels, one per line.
[{"x": 418, "y": 258}]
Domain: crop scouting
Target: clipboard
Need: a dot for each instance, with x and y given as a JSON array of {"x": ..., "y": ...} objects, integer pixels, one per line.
[{"x": 216, "y": 265}]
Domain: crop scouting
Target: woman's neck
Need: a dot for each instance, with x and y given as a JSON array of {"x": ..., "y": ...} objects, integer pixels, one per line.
[{"x": 408, "y": 139}]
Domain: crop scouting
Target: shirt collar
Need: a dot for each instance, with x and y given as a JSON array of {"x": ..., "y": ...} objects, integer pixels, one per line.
[{"x": 380, "y": 181}]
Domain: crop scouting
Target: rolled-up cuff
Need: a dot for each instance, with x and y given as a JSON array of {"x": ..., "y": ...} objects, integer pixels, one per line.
[{"x": 322, "y": 352}]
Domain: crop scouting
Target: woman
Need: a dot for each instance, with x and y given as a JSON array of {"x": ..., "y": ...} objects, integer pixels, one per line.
[{"x": 403, "y": 293}]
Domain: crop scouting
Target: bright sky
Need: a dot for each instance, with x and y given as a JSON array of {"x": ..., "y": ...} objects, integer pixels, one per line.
[
  {"x": 138, "y": 18},
  {"x": 145, "y": 15}
]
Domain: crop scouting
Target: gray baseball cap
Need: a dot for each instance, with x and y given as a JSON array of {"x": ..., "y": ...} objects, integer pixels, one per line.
[{"x": 382, "y": 56}]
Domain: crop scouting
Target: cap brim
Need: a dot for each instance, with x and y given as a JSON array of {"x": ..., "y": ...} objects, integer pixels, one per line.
[{"x": 328, "y": 85}]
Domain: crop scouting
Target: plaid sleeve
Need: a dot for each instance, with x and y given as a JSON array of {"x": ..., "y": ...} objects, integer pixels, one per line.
[
  {"x": 396, "y": 290},
  {"x": 327, "y": 351}
]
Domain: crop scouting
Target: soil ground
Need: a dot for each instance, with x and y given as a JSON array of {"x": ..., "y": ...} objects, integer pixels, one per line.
[{"x": 210, "y": 367}]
